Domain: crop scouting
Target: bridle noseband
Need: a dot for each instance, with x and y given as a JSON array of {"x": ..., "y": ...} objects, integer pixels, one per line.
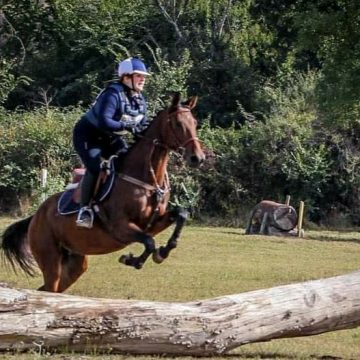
[{"x": 180, "y": 147}]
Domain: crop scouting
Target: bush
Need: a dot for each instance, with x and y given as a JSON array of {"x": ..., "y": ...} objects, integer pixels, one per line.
[
  {"x": 286, "y": 152},
  {"x": 31, "y": 141}
]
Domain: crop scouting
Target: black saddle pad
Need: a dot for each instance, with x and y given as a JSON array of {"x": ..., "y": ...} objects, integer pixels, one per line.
[{"x": 67, "y": 206}]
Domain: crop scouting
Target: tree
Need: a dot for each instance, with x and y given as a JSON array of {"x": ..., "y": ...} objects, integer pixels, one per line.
[{"x": 331, "y": 29}]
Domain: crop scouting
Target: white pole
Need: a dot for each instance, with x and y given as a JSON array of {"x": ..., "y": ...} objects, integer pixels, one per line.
[
  {"x": 287, "y": 200},
  {"x": 44, "y": 174}
]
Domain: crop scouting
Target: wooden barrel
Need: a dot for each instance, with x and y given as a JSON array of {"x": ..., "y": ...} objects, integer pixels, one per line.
[{"x": 284, "y": 217}]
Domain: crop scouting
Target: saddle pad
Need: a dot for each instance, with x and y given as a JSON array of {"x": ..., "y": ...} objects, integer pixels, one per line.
[{"x": 67, "y": 205}]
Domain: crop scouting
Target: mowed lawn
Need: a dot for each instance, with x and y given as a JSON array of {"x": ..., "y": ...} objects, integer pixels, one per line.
[{"x": 215, "y": 261}]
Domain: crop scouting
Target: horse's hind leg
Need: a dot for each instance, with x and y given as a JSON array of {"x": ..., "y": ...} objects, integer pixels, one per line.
[
  {"x": 73, "y": 266},
  {"x": 46, "y": 251},
  {"x": 49, "y": 262},
  {"x": 163, "y": 252}
]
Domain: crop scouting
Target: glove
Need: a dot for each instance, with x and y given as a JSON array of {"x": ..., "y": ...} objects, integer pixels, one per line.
[
  {"x": 145, "y": 123},
  {"x": 130, "y": 124},
  {"x": 142, "y": 126}
]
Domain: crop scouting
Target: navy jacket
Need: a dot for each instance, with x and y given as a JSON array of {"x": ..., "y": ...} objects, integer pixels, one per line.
[{"x": 114, "y": 107}]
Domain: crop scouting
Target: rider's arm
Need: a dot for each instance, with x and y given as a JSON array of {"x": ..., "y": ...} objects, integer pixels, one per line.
[{"x": 108, "y": 108}]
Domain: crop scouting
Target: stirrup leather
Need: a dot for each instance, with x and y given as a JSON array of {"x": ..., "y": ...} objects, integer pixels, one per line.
[{"x": 88, "y": 221}]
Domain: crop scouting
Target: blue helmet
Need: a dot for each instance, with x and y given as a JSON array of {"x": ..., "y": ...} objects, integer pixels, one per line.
[{"x": 132, "y": 66}]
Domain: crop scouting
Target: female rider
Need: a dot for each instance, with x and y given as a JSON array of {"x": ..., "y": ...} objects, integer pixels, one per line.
[{"x": 120, "y": 107}]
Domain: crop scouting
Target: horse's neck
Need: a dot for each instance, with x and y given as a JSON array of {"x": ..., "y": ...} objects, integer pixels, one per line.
[{"x": 145, "y": 160}]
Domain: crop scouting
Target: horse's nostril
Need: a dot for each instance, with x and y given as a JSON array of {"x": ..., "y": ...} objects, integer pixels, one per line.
[{"x": 195, "y": 160}]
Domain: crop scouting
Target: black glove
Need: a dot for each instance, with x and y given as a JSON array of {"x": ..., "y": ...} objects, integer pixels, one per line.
[{"x": 143, "y": 124}]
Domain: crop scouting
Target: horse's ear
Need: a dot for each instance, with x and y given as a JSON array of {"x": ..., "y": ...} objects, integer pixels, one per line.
[
  {"x": 191, "y": 102},
  {"x": 176, "y": 99}
]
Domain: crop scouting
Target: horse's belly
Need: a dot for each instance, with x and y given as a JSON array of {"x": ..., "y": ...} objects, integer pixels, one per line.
[{"x": 92, "y": 243}]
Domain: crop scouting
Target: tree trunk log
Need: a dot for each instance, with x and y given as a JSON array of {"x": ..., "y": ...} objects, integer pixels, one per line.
[{"x": 29, "y": 319}]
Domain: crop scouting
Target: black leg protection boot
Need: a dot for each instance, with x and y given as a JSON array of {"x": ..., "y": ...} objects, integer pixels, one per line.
[{"x": 86, "y": 214}]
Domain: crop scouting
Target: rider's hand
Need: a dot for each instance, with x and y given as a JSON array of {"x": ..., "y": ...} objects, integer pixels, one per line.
[
  {"x": 130, "y": 124},
  {"x": 141, "y": 126}
]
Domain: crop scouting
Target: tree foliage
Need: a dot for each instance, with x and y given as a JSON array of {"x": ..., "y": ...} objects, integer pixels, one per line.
[
  {"x": 278, "y": 86},
  {"x": 331, "y": 29}
]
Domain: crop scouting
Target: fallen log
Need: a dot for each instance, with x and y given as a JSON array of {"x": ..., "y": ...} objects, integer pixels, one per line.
[{"x": 29, "y": 319}]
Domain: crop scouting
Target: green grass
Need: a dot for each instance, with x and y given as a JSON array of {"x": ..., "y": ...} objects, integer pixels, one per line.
[{"x": 211, "y": 262}]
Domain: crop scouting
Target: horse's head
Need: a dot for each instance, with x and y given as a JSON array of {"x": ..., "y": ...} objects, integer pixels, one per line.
[{"x": 178, "y": 130}]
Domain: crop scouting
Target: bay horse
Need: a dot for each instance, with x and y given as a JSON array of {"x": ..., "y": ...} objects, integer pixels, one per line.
[{"x": 135, "y": 210}]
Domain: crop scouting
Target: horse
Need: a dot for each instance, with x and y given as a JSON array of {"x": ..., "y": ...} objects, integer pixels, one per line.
[{"x": 134, "y": 212}]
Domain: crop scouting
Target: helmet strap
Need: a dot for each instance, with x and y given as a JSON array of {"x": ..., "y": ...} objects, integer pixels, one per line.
[
  {"x": 132, "y": 82},
  {"x": 130, "y": 86}
]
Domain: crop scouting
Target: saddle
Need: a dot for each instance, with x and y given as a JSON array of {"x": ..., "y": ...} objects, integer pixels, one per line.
[{"x": 69, "y": 201}]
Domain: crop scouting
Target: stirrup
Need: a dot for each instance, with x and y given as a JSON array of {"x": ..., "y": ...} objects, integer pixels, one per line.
[{"x": 85, "y": 217}]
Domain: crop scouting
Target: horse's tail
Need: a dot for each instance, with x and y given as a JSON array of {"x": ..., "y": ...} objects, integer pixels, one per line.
[{"x": 15, "y": 247}]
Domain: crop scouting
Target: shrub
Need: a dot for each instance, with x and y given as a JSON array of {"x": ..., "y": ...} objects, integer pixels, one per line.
[{"x": 29, "y": 142}]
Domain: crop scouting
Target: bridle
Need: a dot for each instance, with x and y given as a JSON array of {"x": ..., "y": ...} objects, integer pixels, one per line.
[{"x": 179, "y": 147}]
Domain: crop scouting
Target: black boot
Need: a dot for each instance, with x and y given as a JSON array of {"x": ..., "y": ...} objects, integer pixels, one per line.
[{"x": 86, "y": 214}]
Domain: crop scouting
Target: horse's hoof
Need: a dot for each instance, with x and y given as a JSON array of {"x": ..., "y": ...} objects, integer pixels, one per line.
[
  {"x": 157, "y": 258},
  {"x": 138, "y": 265},
  {"x": 124, "y": 259}
]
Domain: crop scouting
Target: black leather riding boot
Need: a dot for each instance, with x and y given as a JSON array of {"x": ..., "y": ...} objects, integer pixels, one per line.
[
  {"x": 85, "y": 217},
  {"x": 87, "y": 188}
]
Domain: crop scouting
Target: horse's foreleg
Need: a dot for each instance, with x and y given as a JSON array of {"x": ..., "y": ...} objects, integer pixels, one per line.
[
  {"x": 138, "y": 261},
  {"x": 162, "y": 253}
]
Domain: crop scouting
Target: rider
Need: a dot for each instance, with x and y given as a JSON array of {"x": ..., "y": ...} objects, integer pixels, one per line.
[{"x": 99, "y": 133}]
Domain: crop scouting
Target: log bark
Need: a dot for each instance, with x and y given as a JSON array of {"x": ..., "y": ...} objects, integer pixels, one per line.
[{"x": 29, "y": 319}]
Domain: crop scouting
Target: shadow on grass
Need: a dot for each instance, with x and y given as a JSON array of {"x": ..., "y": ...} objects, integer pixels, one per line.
[
  {"x": 328, "y": 238},
  {"x": 318, "y": 237}
]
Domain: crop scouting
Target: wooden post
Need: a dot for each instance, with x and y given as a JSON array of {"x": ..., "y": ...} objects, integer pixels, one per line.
[
  {"x": 287, "y": 200},
  {"x": 300, "y": 220}
]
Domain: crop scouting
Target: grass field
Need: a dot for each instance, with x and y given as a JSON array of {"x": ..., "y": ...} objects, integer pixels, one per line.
[{"x": 211, "y": 262}]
